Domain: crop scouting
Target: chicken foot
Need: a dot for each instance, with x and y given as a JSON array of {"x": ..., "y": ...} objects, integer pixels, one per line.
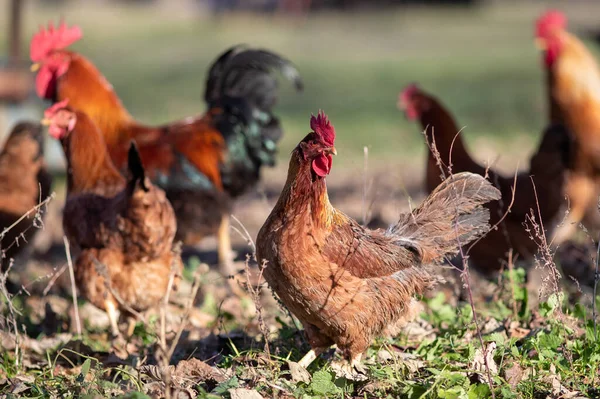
[{"x": 352, "y": 370}]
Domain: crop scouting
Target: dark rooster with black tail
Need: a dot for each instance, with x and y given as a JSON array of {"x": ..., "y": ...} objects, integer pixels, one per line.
[{"x": 203, "y": 162}]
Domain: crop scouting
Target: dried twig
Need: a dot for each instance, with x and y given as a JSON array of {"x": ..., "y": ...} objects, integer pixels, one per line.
[
  {"x": 365, "y": 185},
  {"x": 255, "y": 290},
  {"x": 538, "y": 235},
  {"x": 37, "y": 219},
  {"x": 165, "y": 352},
  {"x": 464, "y": 255},
  {"x": 596, "y": 279},
  {"x": 73, "y": 286}
]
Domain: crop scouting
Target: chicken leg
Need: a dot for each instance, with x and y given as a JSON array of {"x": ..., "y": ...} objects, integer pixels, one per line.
[
  {"x": 113, "y": 317},
  {"x": 225, "y": 254},
  {"x": 310, "y": 357},
  {"x": 581, "y": 190}
]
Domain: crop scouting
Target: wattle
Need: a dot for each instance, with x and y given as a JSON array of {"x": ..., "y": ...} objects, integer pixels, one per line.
[
  {"x": 45, "y": 83},
  {"x": 322, "y": 165}
]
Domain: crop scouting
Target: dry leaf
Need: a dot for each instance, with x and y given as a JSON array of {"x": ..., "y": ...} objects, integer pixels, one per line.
[
  {"x": 298, "y": 373},
  {"x": 242, "y": 393},
  {"x": 478, "y": 363},
  {"x": 514, "y": 374}
]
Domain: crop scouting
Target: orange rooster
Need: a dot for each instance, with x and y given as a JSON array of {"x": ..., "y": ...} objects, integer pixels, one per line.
[
  {"x": 123, "y": 228},
  {"x": 203, "y": 162},
  {"x": 574, "y": 98},
  {"x": 24, "y": 183},
  {"x": 344, "y": 282},
  {"x": 547, "y": 167}
]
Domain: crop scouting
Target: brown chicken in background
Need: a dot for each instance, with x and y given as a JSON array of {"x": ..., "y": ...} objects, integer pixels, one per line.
[
  {"x": 344, "y": 282},
  {"x": 573, "y": 81},
  {"x": 122, "y": 228},
  {"x": 24, "y": 183},
  {"x": 202, "y": 163},
  {"x": 547, "y": 169}
]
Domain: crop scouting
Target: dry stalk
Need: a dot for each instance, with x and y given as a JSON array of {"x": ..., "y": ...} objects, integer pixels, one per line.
[
  {"x": 73, "y": 286},
  {"x": 465, "y": 275},
  {"x": 37, "y": 221},
  {"x": 54, "y": 277},
  {"x": 255, "y": 290},
  {"x": 596, "y": 279},
  {"x": 365, "y": 184},
  {"x": 11, "y": 318},
  {"x": 165, "y": 352},
  {"x": 538, "y": 235}
]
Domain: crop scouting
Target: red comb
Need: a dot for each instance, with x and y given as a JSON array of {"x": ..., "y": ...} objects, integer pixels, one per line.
[
  {"x": 50, "y": 112},
  {"x": 46, "y": 41},
  {"x": 408, "y": 92},
  {"x": 321, "y": 126},
  {"x": 550, "y": 21}
]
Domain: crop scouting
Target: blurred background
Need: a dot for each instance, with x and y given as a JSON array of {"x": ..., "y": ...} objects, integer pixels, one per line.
[{"x": 478, "y": 56}]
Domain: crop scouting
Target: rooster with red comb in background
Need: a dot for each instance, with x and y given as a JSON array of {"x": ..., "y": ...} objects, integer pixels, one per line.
[
  {"x": 203, "y": 163},
  {"x": 573, "y": 82},
  {"x": 344, "y": 282}
]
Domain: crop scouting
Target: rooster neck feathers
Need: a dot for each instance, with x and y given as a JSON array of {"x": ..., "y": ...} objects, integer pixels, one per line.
[
  {"x": 305, "y": 193},
  {"x": 105, "y": 109}
]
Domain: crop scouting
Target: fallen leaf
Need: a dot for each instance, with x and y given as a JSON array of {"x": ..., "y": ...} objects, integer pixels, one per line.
[
  {"x": 514, "y": 374},
  {"x": 298, "y": 373},
  {"x": 242, "y": 393},
  {"x": 478, "y": 363}
]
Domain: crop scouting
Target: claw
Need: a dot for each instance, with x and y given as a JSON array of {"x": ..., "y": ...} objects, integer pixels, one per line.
[{"x": 352, "y": 370}]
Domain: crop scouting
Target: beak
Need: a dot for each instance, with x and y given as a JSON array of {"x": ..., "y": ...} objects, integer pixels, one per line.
[
  {"x": 541, "y": 44},
  {"x": 46, "y": 122},
  {"x": 401, "y": 104},
  {"x": 35, "y": 67},
  {"x": 331, "y": 151}
]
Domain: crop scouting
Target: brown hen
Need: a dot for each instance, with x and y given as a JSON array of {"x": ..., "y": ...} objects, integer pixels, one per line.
[
  {"x": 346, "y": 283},
  {"x": 122, "y": 228},
  {"x": 546, "y": 170},
  {"x": 24, "y": 183}
]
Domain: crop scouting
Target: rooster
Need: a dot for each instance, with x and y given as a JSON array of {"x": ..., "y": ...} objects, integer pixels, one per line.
[
  {"x": 546, "y": 172},
  {"x": 202, "y": 163},
  {"x": 24, "y": 183},
  {"x": 574, "y": 98},
  {"x": 344, "y": 282},
  {"x": 122, "y": 228}
]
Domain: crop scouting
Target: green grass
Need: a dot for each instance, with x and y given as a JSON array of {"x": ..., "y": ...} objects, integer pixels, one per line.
[
  {"x": 480, "y": 61},
  {"x": 548, "y": 352}
]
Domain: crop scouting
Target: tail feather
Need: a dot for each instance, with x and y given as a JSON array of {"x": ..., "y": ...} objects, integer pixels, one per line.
[
  {"x": 452, "y": 216},
  {"x": 242, "y": 84},
  {"x": 136, "y": 169},
  {"x": 242, "y": 72},
  {"x": 215, "y": 74}
]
